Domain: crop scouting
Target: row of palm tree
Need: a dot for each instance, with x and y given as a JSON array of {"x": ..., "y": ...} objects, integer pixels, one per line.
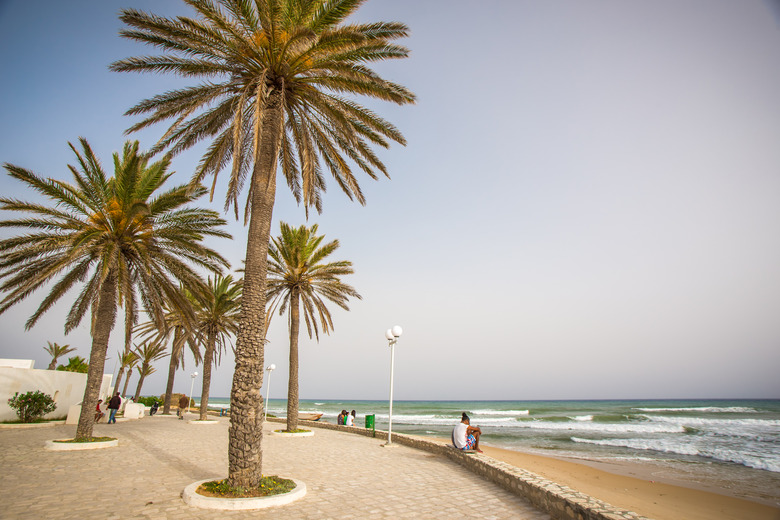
[{"x": 274, "y": 79}]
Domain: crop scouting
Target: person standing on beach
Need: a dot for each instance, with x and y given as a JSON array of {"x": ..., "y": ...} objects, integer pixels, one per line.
[
  {"x": 465, "y": 436},
  {"x": 184, "y": 402},
  {"x": 113, "y": 406}
]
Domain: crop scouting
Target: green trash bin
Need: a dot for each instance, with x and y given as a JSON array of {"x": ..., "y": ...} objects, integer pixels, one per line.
[{"x": 370, "y": 423}]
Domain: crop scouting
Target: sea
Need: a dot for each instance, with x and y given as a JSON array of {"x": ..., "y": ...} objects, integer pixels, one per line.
[{"x": 733, "y": 443}]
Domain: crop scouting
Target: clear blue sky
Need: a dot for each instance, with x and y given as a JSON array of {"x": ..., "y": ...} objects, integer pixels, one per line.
[{"x": 588, "y": 206}]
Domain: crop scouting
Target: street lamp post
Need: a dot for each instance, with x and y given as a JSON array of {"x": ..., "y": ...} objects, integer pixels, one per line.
[
  {"x": 392, "y": 336},
  {"x": 270, "y": 369},
  {"x": 192, "y": 384}
]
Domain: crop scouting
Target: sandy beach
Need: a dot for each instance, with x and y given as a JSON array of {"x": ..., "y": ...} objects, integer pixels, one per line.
[{"x": 634, "y": 487}]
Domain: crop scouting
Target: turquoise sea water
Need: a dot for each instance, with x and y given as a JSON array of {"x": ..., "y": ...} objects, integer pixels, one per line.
[{"x": 743, "y": 433}]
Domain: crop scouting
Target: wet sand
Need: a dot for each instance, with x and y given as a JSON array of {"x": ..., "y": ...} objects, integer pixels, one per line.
[{"x": 636, "y": 488}]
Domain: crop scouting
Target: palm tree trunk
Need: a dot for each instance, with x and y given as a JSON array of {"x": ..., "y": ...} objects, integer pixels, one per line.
[
  {"x": 118, "y": 380},
  {"x": 127, "y": 382},
  {"x": 292, "y": 385},
  {"x": 104, "y": 322},
  {"x": 245, "y": 454},
  {"x": 208, "y": 361},
  {"x": 53, "y": 364},
  {"x": 169, "y": 387},
  {"x": 141, "y": 373}
]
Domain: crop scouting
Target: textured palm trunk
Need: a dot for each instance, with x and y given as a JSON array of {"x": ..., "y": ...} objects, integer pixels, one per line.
[
  {"x": 118, "y": 380},
  {"x": 245, "y": 454},
  {"x": 53, "y": 364},
  {"x": 142, "y": 376},
  {"x": 104, "y": 322},
  {"x": 169, "y": 387},
  {"x": 208, "y": 361},
  {"x": 292, "y": 385},
  {"x": 127, "y": 381}
]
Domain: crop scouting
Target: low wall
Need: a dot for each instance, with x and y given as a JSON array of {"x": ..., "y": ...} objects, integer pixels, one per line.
[
  {"x": 67, "y": 388},
  {"x": 561, "y": 502}
]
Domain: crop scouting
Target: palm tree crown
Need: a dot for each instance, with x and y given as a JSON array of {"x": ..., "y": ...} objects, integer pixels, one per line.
[
  {"x": 56, "y": 351},
  {"x": 297, "y": 277},
  {"x": 119, "y": 238},
  {"x": 297, "y": 54}
]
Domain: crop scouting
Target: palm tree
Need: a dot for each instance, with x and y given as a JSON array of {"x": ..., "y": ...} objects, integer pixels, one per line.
[
  {"x": 127, "y": 360},
  {"x": 75, "y": 364},
  {"x": 297, "y": 277},
  {"x": 56, "y": 351},
  {"x": 274, "y": 75},
  {"x": 216, "y": 314},
  {"x": 179, "y": 331},
  {"x": 119, "y": 238},
  {"x": 147, "y": 354}
]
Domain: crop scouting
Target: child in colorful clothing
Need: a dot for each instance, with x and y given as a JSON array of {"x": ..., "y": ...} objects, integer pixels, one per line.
[{"x": 465, "y": 436}]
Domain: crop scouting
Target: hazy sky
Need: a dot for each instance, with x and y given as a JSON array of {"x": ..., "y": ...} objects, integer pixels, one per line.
[{"x": 588, "y": 205}]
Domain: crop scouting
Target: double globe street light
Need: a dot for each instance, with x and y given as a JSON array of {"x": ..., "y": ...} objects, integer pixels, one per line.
[
  {"x": 392, "y": 336},
  {"x": 270, "y": 368},
  {"x": 192, "y": 385}
]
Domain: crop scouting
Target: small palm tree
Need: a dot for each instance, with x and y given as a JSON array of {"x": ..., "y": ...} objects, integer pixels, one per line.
[
  {"x": 122, "y": 239},
  {"x": 131, "y": 360},
  {"x": 179, "y": 331},
  {"x": 75, "y": 364},
  {"x": 148, "y": 354},
  {"x": 216, "y": 312},
  {"x": 57, "y": 351},
  {"x": 275, "y": 79},
  {"x": 298, "y": 278},
  {"x": 127, "y": 360}
]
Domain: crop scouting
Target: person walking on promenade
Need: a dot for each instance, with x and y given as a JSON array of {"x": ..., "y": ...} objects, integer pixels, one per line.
[
  {"x": 465, "y": 436},
  {"x": 113, "y": 407},
  {"x": 184, "y": 402}
]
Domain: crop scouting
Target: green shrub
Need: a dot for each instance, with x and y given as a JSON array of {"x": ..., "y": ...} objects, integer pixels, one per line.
[
  {"x": 32, "y": 405},
  {"x": 147, "y": 401}
]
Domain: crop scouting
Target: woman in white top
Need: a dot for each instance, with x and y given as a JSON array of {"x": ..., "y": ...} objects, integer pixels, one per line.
[{"x": 350, "y": 419}]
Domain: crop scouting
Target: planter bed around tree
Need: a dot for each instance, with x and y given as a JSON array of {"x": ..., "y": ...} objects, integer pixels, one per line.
[
  {"x": 63, "y": 445},
  {"x": 192, "y": 498}
]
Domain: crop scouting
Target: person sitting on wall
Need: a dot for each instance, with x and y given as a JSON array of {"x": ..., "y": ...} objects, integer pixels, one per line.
[
  {"x": 465, "y": 436},
  {"x": 98, "y": 412}
]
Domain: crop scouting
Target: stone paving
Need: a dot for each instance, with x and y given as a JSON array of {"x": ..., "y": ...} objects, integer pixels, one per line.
[{"x": 347, "y": 476}]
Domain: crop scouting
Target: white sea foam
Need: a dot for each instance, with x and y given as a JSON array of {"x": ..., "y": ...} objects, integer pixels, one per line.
[
  {"x": 582, "y": 418},
  {"x": 701, "y": 449},
  {"x": 603, "y": 427},
  {"x": 500, "y": 412},
  {"x": 705, "y": 409}
]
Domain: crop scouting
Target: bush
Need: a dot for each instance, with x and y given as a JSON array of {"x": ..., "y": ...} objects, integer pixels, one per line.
[
  {"x": 32, "y": 405},
  {"x": 147, "y": 401}
]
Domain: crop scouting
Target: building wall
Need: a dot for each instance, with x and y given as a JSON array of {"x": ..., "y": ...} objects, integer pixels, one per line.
[{"x": 67, "y": 388}]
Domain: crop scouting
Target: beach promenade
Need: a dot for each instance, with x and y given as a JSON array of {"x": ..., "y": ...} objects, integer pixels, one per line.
[{"x": 347, "y": 476}]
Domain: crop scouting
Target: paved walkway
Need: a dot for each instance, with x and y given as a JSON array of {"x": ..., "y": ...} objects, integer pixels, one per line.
[{"x": 347, "y": 476}]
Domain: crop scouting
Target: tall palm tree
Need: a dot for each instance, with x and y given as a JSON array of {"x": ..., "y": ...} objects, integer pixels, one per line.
[
  {"x": 127, "y": 361},
  {"x": 122, "y": 239},
  {"x": 148, "y": 354},
  {"x": 216, "y": 313},
  {"x": 297, "y": 277},
  {"x": 274, "y": 79},
  {"x": 180, "y": 332},
  {"x": 56, "y": 351}
]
